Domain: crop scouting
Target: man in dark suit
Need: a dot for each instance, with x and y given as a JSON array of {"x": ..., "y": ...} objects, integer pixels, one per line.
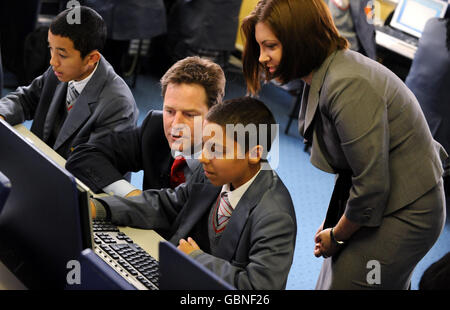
[
  {"x": 189, "y": 88},
  {"x": 429, "y": 78},
  {"x": 80, "y": 97},
  {"x": 239, "y": 220}
]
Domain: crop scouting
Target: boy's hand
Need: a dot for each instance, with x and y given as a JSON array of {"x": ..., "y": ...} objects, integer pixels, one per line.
[{"x": 188, "y": 246}]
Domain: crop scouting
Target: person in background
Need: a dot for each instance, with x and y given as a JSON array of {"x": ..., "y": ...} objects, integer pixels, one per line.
[
  {"x": 351, "y": 20},
  {"x": 80, "y": 97},
  {"x": 189, "y": 88},
  {"x": 202, "y": 27},
  {"x": 429, "y": 80},
  {"x": 388, "y": 206}
]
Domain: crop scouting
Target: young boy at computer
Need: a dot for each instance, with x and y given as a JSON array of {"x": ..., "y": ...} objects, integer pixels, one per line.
[
  {"x": 80, "y": 97},
  {"x": 241, "y": 216}
]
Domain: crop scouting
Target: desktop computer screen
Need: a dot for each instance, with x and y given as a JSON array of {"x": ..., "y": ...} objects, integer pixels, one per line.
[
  {"x": 43, "y": 223},
  {"x": 411, "y": 16}
]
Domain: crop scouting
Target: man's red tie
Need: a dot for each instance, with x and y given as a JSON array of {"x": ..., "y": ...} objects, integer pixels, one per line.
[{"x": 177, "y": 171}]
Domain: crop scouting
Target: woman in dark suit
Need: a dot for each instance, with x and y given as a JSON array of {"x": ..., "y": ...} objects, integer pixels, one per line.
[{"x": 365, "y": 126}]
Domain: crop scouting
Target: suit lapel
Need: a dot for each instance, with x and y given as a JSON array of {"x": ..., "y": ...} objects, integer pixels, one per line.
[
  {"x": 59, "y": 98},
  {"x": 311, "y": 97},
  {"x": 81, "y": 109},
  {"x": 232, "y": 233},
  {"x": 201, "y": 200}
]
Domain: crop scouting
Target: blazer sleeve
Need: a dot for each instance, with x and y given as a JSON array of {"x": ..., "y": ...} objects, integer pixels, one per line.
[
  {"x": 21, "y": 104},
  {"x": 154, "y": 209},
  {"x": 117, "y": 114},
  {"x": 272, "y": 244},
  {"x": 104, "y": 161},
  {"x": 359, "y": 113}
]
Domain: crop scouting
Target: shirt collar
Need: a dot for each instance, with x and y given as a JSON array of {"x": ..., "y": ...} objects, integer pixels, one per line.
[
  {"x": 191, "y": 160},
  {"x": 79, "y": 85},
  {"x": 235, "y": 195}
]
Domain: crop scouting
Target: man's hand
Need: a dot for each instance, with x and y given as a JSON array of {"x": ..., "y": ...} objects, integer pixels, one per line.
[
  {"x": 1, "y": 116},
  {"x": 136, "y": 192},
  {"x": 188, "y": 246},
  {"x": 93, "y": 211}
]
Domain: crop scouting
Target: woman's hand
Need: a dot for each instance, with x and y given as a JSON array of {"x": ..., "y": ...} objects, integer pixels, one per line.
[{"x": 324, "y": 245}]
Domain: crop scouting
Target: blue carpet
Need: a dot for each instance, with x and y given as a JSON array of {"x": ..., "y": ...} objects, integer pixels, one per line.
[{"x": 310, "y": 188}]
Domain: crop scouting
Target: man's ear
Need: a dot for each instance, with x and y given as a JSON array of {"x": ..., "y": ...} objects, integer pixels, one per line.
[{"x": 254, "y": 155}]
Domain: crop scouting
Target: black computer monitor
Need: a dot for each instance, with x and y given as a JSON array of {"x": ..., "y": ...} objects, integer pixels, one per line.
[
  {"x": 5, "y": 188},
  {"x": 45, "y": 221},
  {"x": 178, "y": 271}
]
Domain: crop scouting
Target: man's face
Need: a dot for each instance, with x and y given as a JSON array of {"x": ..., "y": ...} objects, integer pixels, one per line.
[
  {"x": 66, "y": 61},
  {"x": 182, "y": 104}
]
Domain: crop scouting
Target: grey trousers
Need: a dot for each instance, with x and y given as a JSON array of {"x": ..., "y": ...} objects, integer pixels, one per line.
[{"x": 384, "y": 257}]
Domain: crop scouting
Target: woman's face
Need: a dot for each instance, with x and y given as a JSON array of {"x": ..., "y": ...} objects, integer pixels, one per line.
[{"x": 270, "y": 49}]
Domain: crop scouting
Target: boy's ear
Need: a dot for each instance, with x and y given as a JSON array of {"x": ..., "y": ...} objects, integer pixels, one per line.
[
  {"x": 93, "y": 57},
  {"x": 254, "y": 155}
]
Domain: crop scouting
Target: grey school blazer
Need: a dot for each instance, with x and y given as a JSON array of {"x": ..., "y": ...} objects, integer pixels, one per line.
[
  {"x": 105, "y": 104},
  {"x": 362, "y": 118},
  {"x": 257, "y": 246}
]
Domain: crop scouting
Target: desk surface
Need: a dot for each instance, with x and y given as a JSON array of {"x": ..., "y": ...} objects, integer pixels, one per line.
[{"x": 146, "y": 239}]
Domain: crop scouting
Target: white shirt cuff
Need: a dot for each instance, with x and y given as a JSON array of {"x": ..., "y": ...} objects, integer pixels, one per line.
[{"x": 119, "y": 188}]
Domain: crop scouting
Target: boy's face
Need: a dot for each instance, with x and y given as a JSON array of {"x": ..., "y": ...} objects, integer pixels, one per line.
[
  {"x": 66, "y": 61},
  {"x": 233, "y": 165},
  {"x": 182, "y": 104}
]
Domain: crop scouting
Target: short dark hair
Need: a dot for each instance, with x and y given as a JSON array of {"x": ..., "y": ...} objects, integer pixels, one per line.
[
  {"x": 246, "y": 111},
  {"x": 196, "y": 70},
  {"x": 305, "y": 30},
  {"x": 87, "y": 35}
]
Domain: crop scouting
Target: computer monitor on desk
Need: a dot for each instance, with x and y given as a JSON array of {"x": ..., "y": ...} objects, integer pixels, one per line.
[
  {"x": 400, "y": 33},
  {"x": 43, "y": 223},
  {"x": 411, "y": 16}
]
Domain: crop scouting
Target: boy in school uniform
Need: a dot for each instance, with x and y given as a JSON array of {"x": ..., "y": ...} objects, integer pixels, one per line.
[
  {"x": 234, "y": 217},
  {"x": 80, "y": 97}
]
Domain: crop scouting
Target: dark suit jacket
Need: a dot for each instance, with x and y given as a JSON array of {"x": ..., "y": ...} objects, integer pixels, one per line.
[
  {"x": 106, "y": 104},
  {"x": 257, "y": 246},
  {"x": 205, "y": 24},
  {"x": 429, "y": 79},
  {"x": 131, "y": 19},
  {"x": 104, "y": 161},
  {"x": 364, "y": 30}
]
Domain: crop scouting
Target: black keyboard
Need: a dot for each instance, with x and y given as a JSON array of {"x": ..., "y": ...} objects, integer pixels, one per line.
[
  {"x": 398, "y": 34},
  {"x": 127, "y": 258}
]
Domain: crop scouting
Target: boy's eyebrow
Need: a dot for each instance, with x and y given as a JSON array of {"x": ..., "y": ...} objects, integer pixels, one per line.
[{"x": 62, "y": 49}]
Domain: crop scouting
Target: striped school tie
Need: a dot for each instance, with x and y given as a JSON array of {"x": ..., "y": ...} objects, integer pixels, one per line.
[
  {"x": 72, "y": 95},
  {"x": 224, "y": 212}
]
